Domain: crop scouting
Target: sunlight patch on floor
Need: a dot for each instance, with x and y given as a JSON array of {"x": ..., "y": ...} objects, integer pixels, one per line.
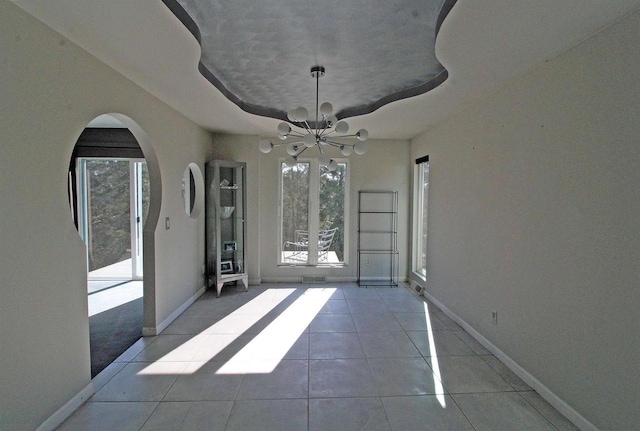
[
  {"x": 232, "y": 326},
  {"x": 267, "y": 349},
  {"x": 113, "y": 297},
  {"x": 437, "y": 376}
]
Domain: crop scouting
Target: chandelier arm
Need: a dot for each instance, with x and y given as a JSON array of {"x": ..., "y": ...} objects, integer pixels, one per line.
[
  {"x": 337, "y": 144},
  {"x": 296, "y": 133},
  {"x": 301, "y": 151},
  {"x": 306, "y": 126},
  {"x": 324, "y": 131}
]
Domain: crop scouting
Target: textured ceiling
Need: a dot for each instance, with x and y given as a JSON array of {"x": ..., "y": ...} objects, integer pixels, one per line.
[{"x": 259, "y": 53}]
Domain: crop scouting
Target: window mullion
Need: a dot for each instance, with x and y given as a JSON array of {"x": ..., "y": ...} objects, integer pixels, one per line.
[{"x": 314, "y": 210}]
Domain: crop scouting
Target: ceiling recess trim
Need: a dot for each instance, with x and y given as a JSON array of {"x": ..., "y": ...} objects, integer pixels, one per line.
[{"x": 266, "y": 111}]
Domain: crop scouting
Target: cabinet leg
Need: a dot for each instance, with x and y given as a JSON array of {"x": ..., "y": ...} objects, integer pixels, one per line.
[
  {"x": 245, "y": 283},
  {"x": 218, "y": 288}
]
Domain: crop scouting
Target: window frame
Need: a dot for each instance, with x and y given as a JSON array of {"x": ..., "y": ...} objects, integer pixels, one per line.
[
  {"x": 420, "y": 216},
  {"x": 314, "y": 214}
]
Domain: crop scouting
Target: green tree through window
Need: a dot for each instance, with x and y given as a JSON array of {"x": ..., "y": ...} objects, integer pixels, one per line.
[{"x": 331, "y": 203}]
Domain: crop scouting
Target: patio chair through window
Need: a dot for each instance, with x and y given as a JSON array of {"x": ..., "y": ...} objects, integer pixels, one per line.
[{"x": 300, "y": 247}]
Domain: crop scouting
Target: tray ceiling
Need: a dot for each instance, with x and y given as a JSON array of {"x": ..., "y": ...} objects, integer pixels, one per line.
[
  {"x": 258, "y": 54},
  {"x": 482, "y": 44}
]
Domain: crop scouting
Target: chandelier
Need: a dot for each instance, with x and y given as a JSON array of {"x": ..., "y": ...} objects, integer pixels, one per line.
[{"x": 319, "y": 134}]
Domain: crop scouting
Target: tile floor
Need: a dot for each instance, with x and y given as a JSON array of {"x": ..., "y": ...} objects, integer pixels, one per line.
[{"x": 325, "y": 357}]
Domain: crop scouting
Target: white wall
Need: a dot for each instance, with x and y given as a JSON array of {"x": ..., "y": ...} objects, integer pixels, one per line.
[
  {"x": 534, "y": 211},
  {"x": 50, "y": 89},
  {"x": 385, "y": 166}
]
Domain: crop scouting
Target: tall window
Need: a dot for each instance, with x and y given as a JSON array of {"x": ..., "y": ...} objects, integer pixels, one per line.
[
  {"x": 313, "y": 214},
  {"x": 420, "y": 205}
]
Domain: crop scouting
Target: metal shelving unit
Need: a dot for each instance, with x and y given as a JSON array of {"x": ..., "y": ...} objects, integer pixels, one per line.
[{"x": 378, "y": 238}]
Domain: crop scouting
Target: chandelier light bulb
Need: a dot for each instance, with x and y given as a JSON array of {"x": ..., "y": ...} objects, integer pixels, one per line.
[
  {"x": 284, "y": 129},
  {"x": 362, "y": 135},
  {"x": 360, "y": 148},
  {"x": 333, "y": 165},
  {"x": 342, "y": 127},
  {"x": 265, "y": 146},
  {"x": 302, "y": 114},
  {"x": 292, "y": 149},
  {"x": 291, "y": 115},
  {"x": 326, "y": 109},
  {"x": 290, "y": 161},
  {"x": 332, "y": 120},
  {"x": 346, "y": 150},
  {"x": 309, "y": 140},
  {"x": 324, "y": 160}
]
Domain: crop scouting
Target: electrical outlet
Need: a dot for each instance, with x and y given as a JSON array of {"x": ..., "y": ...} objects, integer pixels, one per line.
[
  {"x": 494, "y": 317},
  {"x": 167, "y": 223},
  {"x": 366, "y": 262}
]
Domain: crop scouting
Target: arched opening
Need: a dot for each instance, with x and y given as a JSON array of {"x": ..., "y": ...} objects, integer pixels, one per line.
[{"x": 111, "y": 191}]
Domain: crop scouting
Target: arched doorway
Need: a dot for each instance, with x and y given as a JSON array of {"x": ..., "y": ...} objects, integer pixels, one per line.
[{"x": 110, "y": 192}]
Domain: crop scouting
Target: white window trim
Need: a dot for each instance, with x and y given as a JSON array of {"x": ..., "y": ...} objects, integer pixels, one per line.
[
  {"x": 418, "y": 217},
  {"x": 314, "y": 213}
]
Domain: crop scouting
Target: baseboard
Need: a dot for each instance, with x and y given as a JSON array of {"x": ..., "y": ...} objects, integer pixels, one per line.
[
  {"x": 66, "y": 410},
  {"x": 298, "y": 279},
  {"x": 254, "y": 281},
  {"x": 72, "y": 405},
  {"x": 569, "y": 412},
  {"x": 153, "y": 331}
]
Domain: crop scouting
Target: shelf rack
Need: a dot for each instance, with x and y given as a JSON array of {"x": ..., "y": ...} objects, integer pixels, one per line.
[{"x": 378, "y": 238}]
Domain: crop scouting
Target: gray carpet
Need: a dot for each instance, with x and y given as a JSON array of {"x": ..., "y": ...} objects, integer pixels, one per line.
[{"x": 112, "y": 332}]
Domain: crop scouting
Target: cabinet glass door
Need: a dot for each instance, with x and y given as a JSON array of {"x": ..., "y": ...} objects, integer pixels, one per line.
[{"x": 231, "y": 221}]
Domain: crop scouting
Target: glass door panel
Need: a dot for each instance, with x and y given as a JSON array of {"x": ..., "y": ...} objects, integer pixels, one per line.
[
  {"x": 295, "y": 213},
  {"x": 231, "y": 220},
  {"x": 331, "y": 236},
  {"x": 108, "y": 213},
  {"x": 114, "y": 195}
]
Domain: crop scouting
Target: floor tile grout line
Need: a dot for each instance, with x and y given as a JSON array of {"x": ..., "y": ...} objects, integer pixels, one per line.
[
  {"x": 149, "y": 417},
  {"x": 537, "y": 410},
  {"x": 462, "y": 411}
]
